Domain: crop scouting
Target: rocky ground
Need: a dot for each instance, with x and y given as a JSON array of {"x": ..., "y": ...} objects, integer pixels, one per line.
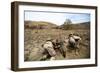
[{"x": 34, "y": 38}]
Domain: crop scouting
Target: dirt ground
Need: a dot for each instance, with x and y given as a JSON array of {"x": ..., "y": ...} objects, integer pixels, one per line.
[{"x": 34, "y": 38}]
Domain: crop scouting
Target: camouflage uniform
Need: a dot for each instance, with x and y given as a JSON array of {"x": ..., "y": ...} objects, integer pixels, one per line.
[{"x": 48, "y": 46}]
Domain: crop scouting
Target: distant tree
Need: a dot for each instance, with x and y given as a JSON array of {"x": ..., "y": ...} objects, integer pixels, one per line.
[{"x": 67, "y": 22}]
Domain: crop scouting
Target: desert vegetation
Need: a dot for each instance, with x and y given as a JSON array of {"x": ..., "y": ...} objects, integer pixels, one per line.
[{"x": 37, "y": 32}]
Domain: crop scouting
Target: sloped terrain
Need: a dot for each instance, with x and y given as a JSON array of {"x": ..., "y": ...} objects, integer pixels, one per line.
[{"x": 35, "y": 37}]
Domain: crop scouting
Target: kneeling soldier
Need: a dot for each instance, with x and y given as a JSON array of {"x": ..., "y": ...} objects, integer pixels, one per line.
[{"x": 48, "y": 46}]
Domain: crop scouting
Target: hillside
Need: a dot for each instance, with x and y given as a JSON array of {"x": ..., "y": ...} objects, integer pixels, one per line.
[
  {"x": 34, "y": 39},
  {"x": 84, "y": 25},
  {"x": 39, "y": 24}
]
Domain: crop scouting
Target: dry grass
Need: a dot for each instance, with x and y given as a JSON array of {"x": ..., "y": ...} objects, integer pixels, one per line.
[{"x": 35, "y": 38}]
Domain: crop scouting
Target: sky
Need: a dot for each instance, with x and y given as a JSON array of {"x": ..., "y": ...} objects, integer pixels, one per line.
[{"x": 56, "y": 17}]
